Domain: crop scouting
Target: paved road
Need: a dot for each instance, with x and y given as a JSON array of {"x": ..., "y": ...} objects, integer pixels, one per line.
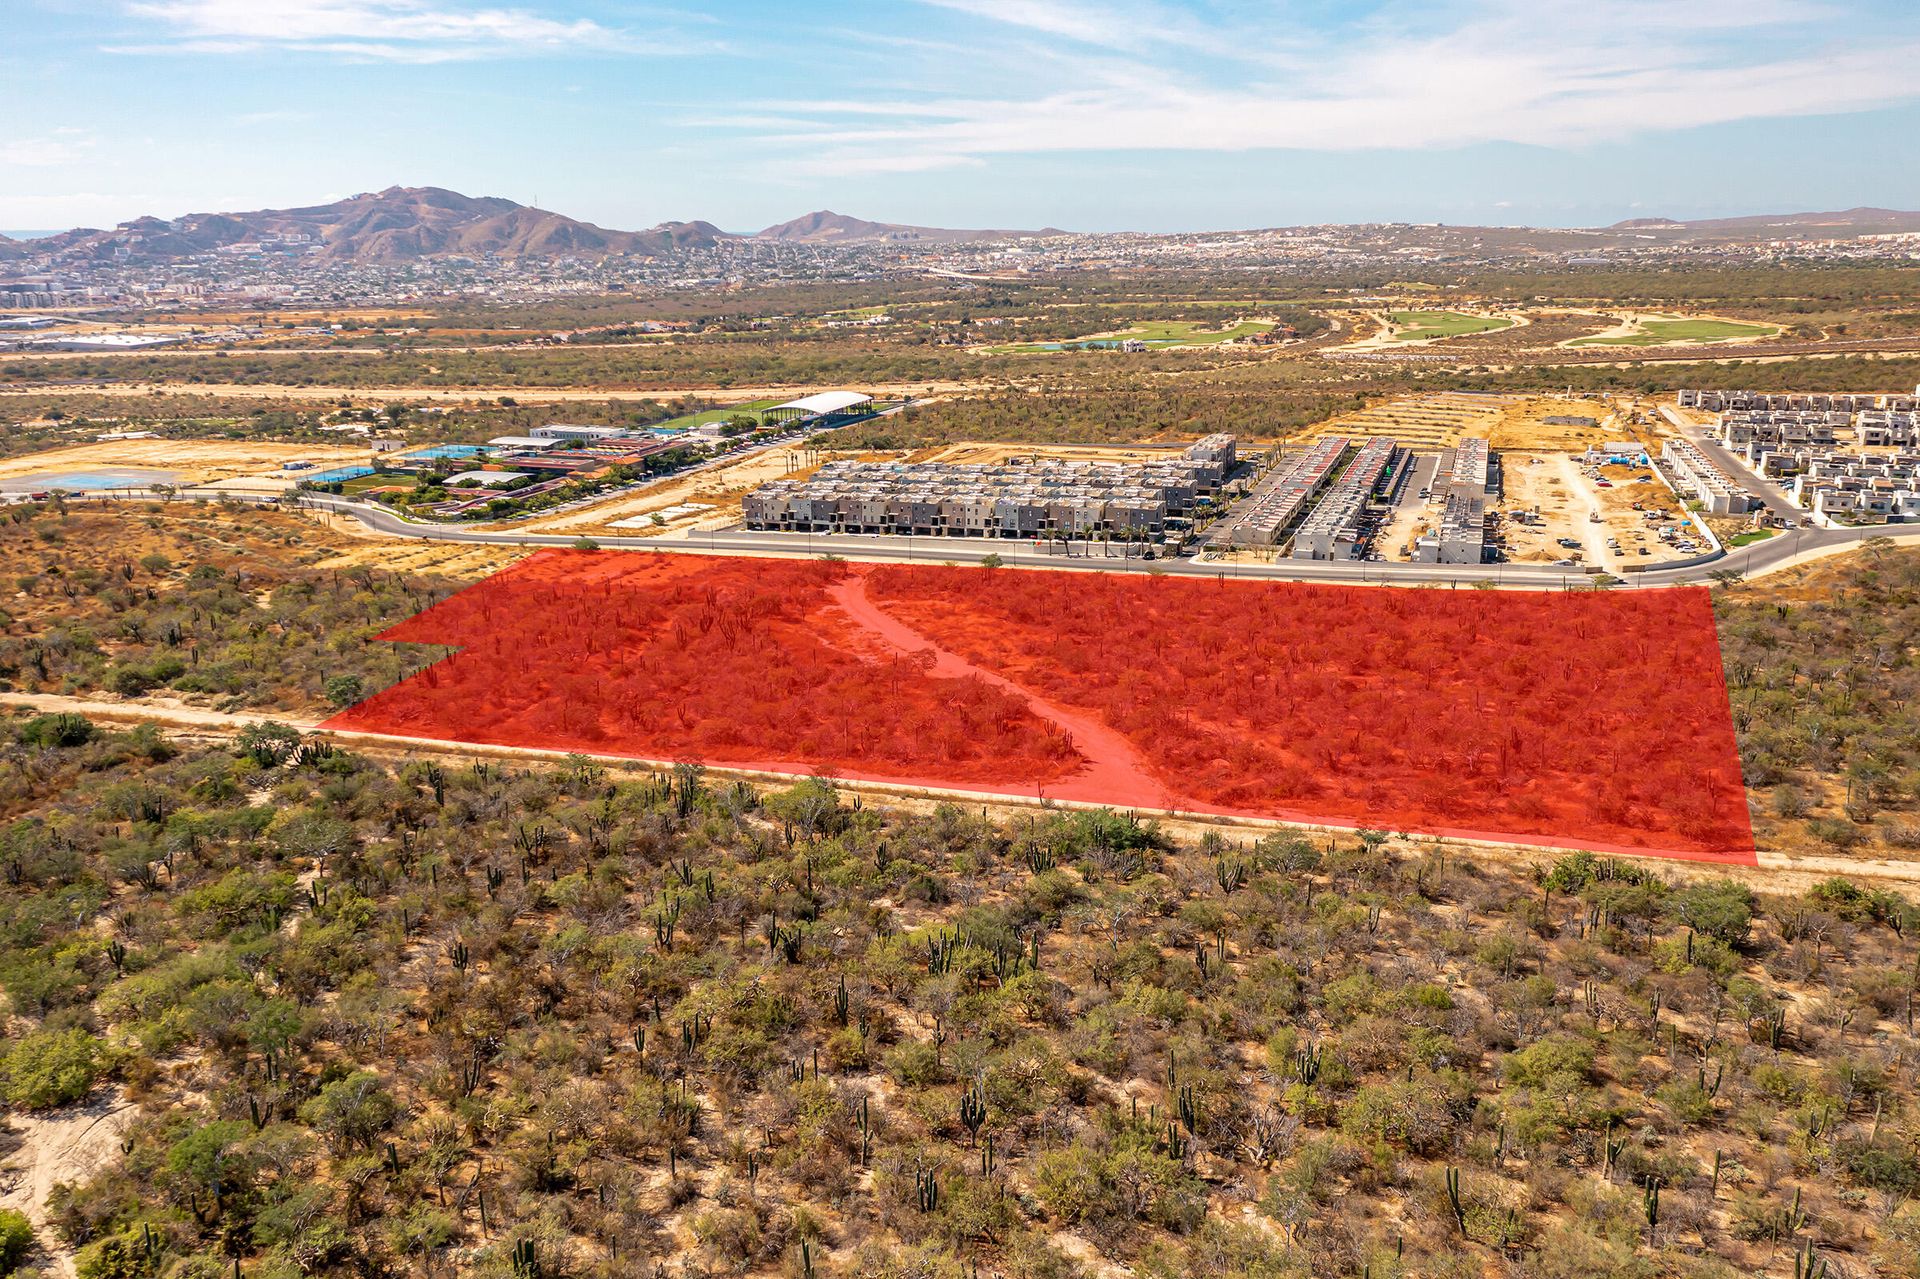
[
  {"x": 1736, "y": 468},
  {"x": 1761, "y": 557}
]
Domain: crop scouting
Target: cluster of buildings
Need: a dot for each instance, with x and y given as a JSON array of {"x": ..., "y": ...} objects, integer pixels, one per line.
[
  {"x": 1859, "y": 488},
  {"x": 1697, "y": 476},
  {"x": 1283, "y": 494},
  {"x": 1042, "y": 498},
  {"x": 39, "y": 293},
  {"x": 1824, "y": 446},
  {"x": 1795, "y": 402},
  {"x": 517, "y": 467},
  {"x": 1324, "y": 502},
  {"x": 1339, "y": 525},
  {"x": 1461, "y": 535}
]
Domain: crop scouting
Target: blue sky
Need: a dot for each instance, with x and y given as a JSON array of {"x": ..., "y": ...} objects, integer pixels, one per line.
[{"x": 1124, "y": 114}]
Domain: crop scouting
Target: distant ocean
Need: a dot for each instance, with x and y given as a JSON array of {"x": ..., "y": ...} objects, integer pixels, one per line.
[{"x": 26, "y": 235}]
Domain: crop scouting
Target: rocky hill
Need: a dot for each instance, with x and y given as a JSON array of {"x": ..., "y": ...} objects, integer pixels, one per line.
[
  {"x": 394, "y": 225},
  {"x": 827, "y": 227},
  {"x": 1844, "y": 224}
]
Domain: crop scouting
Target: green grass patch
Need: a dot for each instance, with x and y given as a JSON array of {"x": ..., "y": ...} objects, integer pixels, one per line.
[
  {"x": 692, "y": 420},
  {"x": 1422, "y": 326},
  {"x": 1659, "y": 332},
  {"x": 1750, "y": 537},
  {"x": 1155, "y": 333},
  {"x": 368, "y": 482}
]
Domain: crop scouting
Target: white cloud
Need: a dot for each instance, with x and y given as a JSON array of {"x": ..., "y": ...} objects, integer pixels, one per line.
[
  {"x": 1132, "y": 75},
  {"x": 417, "y": 31},
  {"x": 51, "y": 151},
  {"x": 48, "y": 211}
]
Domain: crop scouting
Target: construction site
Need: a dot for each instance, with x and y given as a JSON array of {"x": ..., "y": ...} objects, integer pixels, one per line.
[{"x": 1461, "y": 479}]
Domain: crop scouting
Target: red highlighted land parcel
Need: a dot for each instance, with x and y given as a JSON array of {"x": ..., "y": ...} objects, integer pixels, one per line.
[{"x": 1587, "y": 719}]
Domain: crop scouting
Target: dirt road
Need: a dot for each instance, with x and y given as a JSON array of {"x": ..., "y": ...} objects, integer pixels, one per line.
[
  {"x": 1584, "y": 498},
  {"x": 1113, "y": 764},
  {"x": 1777, "y": 872}
]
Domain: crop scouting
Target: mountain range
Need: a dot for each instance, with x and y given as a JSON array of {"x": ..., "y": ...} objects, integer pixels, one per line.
[
  {"x": 402, "y": 224},
  {"x": 406, "y": 223},
  {"x": 1844, "y": 224}
]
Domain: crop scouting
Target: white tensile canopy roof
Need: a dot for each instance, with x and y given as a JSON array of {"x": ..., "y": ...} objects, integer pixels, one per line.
[{"x": 824, "y": 402}]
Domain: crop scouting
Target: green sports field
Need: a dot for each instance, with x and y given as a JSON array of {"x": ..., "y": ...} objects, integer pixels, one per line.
[
  {"x": 1660, "y": 332},
  {"x": 1155, "y": 333},
  {"x": 1422, "y": 326},
  {"x": 713, "y": 415}
]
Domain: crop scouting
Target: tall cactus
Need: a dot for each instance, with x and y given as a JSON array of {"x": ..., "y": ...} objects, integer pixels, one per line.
[{"x": 973, "y": 1110}]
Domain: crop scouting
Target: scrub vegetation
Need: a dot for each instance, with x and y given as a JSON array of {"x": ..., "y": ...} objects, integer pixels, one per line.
[{"x": 447, "y": 1019}]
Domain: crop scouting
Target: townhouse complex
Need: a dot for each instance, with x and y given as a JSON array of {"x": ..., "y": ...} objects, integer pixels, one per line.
[
  {"x": 1699, "y": 478},
  {"x": 1283, "y": 494},
  {"x": 1040, "y": 498},
  {"x": 1461, "y": 535},
  {"x": 1851, "y": 458},
  {"x": 1336, "y": 528}
]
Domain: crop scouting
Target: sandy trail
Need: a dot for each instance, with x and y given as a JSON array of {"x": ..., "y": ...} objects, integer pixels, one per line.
[
  {"x": 69, "y": 1144},
  {"x": 1113, "y": 766}
]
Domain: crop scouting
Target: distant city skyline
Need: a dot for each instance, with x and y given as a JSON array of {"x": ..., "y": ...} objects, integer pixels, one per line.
[{"x": 1144, "y": 115}]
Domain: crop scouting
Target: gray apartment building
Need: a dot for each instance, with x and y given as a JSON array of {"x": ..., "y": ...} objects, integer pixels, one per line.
[
  {"x": 1461, "y": 535},
  {"x": 1335, "y": 530},
  {"x": 1042, "y": 498},
  {"x": 1284, "y": 493}
]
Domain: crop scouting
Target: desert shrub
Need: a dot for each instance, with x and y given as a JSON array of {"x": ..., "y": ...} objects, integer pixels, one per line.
[
  {"x": 51, "y": 1068},
  {"x": 63, "y": 729},
  {"x": 1127, "y": 1182},
  {"x": 16, "y": 1239},
  {"x": 1722, "y": 910},
  {"x": 1835, "y": 832},
  {"x": 350, "y": 1112},
  {"x": 1422, "y": 1115},
  {"x": 345, "y": 690},
  {"x": 121, "y": 1256},
  {"x": 1550, "y": 1058}
]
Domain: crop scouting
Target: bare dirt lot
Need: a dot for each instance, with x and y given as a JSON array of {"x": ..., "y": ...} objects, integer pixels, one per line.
[
  {"x": 1558, "y": 489},
  {"x": 190, "y": 461},
  {"x": 1523, "y": 424},
  {"x": 679, "y": 503}
]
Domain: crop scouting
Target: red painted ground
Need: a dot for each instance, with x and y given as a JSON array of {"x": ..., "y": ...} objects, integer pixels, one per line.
[{"x": 1586, "y": 720}]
